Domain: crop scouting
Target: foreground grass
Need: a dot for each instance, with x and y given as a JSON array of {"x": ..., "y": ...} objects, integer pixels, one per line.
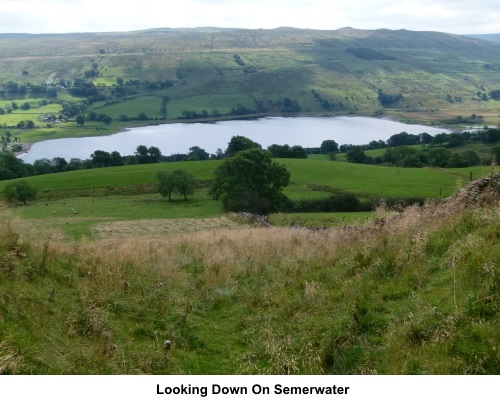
[{"x": 410, "y": 293}]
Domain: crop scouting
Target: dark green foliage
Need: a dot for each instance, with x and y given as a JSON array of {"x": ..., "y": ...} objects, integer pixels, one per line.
[
  {"x": 80, "y": 119},
  {"x": 101, "y": 158},
  {"x": 12, "y": 167},
  {"x": 369, "y": 54},
  {"x": 179, "y": 181},
  {"x": 495, "y": 94},
  {"x": 83, "y": 88},
  {"x": 496, "y": 153},
  {"x": 438, "y": 157},
  {"x": 19, "y": 190},
  {"x": 464, "y": 159},
  {"x": 197, "y": 153},
  {"x": 250, "y": 181},
  {"x": 356, "y": 155},
  {"x": 328, "y": 146},
  {"x": 403, "y": 138},
  {"x": 285, "y": 151},
  {"x": 389, "y": 100},
  {"x": 404, "y": 156},
  {"x": 239, "y": 143},
  {"x": 147, "y": 155}
]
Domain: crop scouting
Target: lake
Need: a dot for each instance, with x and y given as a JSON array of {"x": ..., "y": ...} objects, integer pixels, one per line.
[{"x": 179, "y": 137}]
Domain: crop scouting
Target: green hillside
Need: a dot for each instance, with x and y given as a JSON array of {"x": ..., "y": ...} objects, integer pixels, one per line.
[
  {"x": 128, "y": 193},
  {"x": 413, "y": 292},
  {"x": 208, "y": 73}
]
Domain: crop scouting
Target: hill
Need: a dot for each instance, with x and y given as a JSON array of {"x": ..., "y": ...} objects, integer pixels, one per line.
[
  {"x": 413, "y": 292},
  {"x": 486, "y": 37},
  {"x": 183, "y": 74}
]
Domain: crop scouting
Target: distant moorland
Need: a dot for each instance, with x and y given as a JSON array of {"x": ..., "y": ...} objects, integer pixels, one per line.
[{"x": 113, "y": 80}]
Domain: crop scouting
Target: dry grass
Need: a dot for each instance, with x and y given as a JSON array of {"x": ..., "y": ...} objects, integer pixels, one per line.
[
  {"x": 159, "y": 227},
  {"x": 414, "y": 291}
]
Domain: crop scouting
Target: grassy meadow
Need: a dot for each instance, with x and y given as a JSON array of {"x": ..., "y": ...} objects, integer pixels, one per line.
[
  {"x": 77, "y": 201},
  {"x": 412, "y": 292}
]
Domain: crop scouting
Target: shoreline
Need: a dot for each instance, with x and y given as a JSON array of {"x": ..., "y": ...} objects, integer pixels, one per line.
[{"x": 26, "y": 146}]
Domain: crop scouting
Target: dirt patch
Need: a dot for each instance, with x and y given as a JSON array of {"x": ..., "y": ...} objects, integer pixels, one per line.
[{"x": 160, "y": 227}]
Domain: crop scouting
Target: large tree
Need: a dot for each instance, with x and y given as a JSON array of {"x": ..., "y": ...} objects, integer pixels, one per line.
[
  {"x": 147, "y": 155},
  {"x": 19, "y": 190},
  {"x": 251, "y": 181},
  {"x": 178, "y": 180},
  {"x": 239, "y": 143},
  {"x": 197, "y": 153},
  {"x": 328, "y": 146}
]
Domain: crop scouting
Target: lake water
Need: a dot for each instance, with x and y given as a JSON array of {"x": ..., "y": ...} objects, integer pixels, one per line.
[{"x": 178, "y": 138}]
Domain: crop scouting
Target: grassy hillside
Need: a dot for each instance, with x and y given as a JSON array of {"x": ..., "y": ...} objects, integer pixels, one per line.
[
  {"x": 79, "y": 202},
  {"x": 410, "y": 293},
  {"x": 413, "y": 76}
]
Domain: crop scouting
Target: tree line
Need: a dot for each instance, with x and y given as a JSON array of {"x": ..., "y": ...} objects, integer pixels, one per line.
[{"x": 435, "y": 151}]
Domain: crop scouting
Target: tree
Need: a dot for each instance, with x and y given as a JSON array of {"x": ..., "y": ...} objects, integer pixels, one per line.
[
  {"x": 356, "y": 155},
  {"x": 19, "y": 190},
  {"x": 59, "y": 164},
  {"x": 471, "y": 157},
  {"x": 14, "y": 167},
  {"x": 144, "y": 154},
  {"x": 101, "y": 158},
  {"x": 178, "y": 180},
  {"x": 80, "y": 119},
  {"x": 154, "y": 154},
  {"x": 438, "y": 156},
  {"x": 328, "y": 146},
  {"x": 219, "y": 153},
  {"x": 404, "y": 156},
  {"x": 197, "y": 153},
  {"x": 185, "y": 183},
  {"x": 250, "y": 181},
  {"x": 456, "y": 160},
  {"x": 116, "y": 159},
  {"x": 239, "y": 143}
]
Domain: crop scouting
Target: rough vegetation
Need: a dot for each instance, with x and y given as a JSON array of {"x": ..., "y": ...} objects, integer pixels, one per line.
[{"x": 414, "y": 291}]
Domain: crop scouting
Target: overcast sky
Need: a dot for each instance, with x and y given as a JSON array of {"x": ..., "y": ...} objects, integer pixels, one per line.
[{"x": 61, "y": 16}]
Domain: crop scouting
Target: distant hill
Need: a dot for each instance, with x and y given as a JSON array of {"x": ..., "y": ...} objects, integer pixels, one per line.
[
  {"x": 486, "y": 37},
  {"x": 215, "y": 71}
]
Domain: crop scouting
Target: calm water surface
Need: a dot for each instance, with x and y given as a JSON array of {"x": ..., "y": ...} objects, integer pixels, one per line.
[{"x": 178, "y": 138}]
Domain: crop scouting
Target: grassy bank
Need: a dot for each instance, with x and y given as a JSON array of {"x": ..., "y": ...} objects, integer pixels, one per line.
[{"x": 409, "y": 293}]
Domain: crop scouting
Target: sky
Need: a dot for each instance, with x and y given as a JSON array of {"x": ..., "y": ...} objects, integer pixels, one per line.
[{"x": 63, "y": 16}]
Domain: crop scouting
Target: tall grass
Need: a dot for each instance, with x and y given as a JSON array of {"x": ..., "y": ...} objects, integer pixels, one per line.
[{"x": 413, "y": 291}]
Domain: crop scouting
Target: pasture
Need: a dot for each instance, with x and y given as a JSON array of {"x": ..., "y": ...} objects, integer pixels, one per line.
[{"x": 78, "y": 201}]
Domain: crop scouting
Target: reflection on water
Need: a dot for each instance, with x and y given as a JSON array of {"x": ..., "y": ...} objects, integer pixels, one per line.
[{"x": 178, "y": 138}]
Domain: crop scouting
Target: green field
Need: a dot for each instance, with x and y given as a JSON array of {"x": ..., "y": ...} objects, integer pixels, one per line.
[{"x": 128, "y": 192}]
